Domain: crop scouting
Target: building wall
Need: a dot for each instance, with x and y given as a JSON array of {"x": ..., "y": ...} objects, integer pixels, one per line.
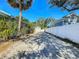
[{"x": 68, "y": 20}]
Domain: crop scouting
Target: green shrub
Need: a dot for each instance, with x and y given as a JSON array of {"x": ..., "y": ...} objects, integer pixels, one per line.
[
  {"x": 7, "y": 29},
  {"x": 24, "y": 30}
]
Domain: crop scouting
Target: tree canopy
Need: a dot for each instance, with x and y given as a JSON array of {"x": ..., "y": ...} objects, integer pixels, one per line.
[
  {"x": 25, "y": 4},
  {"x": 69, "y": 5}
]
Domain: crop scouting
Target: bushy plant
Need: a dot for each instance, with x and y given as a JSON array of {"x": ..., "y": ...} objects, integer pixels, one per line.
[
  {"x": 24, "y": 30},
  {"x": 7, "y": 29},
  {"x": 31, "y": 27}
]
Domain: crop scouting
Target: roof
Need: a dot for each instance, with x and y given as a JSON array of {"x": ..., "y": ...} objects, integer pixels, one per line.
[
  {"x": 72, "y": 14},
  {"x": 67, "y": 16},
  {"x": 3, "y": 13}
]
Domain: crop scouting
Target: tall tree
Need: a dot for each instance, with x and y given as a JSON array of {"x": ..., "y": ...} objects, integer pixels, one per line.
[{"x": 21, "y": 5}]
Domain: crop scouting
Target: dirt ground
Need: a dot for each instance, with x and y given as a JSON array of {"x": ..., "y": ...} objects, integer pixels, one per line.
[{"x": 5, "y": 45}]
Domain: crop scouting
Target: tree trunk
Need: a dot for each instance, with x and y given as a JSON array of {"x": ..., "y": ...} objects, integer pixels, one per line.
[
  {"x": 20, "y": 15},
  {"x": 19, "y": 25}
]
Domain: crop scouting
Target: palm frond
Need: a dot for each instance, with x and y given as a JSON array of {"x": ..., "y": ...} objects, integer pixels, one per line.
[
  {"x": 69, "y": 5},
  {"x": 25, "y": 4}
]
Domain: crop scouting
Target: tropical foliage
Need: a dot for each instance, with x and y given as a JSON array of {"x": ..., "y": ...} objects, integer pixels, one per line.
[
  {"x": 45, "y": 22},
  {"x": 26, "y": 26},
  {"x": 7, "y": 29},
  {"x": 68, "y": 5},
  {"x": 41, "y": 23}
]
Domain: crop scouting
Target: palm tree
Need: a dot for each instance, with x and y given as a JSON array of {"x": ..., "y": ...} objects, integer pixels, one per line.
[{"x": 21, "y": 5}]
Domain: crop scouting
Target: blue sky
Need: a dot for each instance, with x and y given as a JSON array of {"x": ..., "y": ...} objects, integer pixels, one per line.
[{"x": 39, "y": 8}]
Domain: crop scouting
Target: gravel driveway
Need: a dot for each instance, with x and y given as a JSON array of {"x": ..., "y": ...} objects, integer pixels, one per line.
[{"x": 46, "y": 46}]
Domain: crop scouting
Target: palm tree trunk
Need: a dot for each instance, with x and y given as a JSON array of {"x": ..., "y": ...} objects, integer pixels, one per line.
[
  {"x": 19, "y": 25},
  {"x": 20, "y": 15}
]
